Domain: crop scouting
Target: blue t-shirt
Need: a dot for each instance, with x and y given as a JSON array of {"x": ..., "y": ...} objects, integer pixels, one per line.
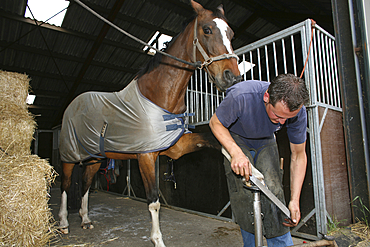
[{"x": 243, "y": 112}]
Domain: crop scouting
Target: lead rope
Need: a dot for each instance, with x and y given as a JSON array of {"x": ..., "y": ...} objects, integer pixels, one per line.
[
  {"x": 197, "y": 64},
  {"x": 313, "y": 23}
]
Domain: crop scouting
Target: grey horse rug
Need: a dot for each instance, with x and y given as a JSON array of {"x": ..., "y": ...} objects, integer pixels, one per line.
[{"x": 124, "y": 122}]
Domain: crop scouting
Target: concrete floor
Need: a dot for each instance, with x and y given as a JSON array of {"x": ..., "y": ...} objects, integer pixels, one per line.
[{"x": 121, "y": 221}]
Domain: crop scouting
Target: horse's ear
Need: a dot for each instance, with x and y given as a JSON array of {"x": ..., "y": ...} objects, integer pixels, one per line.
[
  {"x": 198, "y": 8},
  {"x": 221, "y": 9}
]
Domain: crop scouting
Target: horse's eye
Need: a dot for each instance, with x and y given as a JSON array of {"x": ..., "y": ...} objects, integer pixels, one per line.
[{"x": 207, "y": 30}]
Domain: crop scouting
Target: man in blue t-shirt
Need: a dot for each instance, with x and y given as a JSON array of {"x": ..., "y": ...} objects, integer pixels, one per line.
[{"x": 245, "y": 123}]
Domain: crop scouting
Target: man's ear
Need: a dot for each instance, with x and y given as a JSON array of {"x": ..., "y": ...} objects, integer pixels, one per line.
[{"x": 266, "y": 97}]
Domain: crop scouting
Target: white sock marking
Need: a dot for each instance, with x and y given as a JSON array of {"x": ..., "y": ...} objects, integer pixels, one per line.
[
  {"x": 156, "y": 235},
  {"x": 84, "y": 209},
  {"x": 63, "y": 213}
]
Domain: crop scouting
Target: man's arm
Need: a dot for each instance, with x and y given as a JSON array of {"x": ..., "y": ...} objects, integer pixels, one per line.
[
  {"x": 239, "y": 162},
  {"x": 298, "y": 164}
]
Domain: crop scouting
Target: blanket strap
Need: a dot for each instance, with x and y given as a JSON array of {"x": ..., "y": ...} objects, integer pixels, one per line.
[
  {"x": 92, "y": 155},
  {"x": 101, "y": 139},
  {"x": 171, "y": 127},
  {"x": 173, "y": 116},
  {"x": 101, "y": 143}
]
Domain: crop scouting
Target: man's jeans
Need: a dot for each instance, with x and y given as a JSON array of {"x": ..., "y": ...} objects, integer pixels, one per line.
[{"x": 281, "y": 241}]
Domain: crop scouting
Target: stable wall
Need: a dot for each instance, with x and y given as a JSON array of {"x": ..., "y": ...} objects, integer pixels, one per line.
[{"x": 335, "y": 167}]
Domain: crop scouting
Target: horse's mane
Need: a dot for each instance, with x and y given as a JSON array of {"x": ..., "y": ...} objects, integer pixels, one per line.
[{"x": 156, "y": 60}]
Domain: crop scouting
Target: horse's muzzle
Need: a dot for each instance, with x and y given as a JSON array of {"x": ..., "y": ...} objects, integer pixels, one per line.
[{"x": 228, "y": 79}]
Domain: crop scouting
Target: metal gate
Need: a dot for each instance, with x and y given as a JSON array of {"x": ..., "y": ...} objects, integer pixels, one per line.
[{"x": 288, "y": 51}]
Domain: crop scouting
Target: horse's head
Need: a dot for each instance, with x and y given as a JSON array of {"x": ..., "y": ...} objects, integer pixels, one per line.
[{"x": 212, "y": 46}]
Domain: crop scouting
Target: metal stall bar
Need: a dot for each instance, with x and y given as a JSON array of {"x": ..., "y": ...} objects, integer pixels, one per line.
[
  {"x": 339, "y": 102},
  {"x": 315, "y": 142},
  {"x": 317, "y": 171},
  {"x": 321, "y": 69},
  {"x": 213, "y": 108},
  {"x": 201, "y": 98},
  {"x": 323, "y": 48},
  {"x": 267, "y": 63},
  {"x": 332, "y": 74},
  {"x": 293, "y": 52},
  {"x": 196, "y": 97},
  {"x": 245, "y": 73},
  {"x": 251, "y": 59},
  {"x": 317, "y": 90},
  {"x": 328, "y": 69},
  {"x": 284, "y": 55},
  {"x": 206, "y": 97},
  {"x": 275, "y": 59}
]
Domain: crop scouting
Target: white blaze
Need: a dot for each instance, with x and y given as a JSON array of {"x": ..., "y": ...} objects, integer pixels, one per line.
[{"x": 222, "y": 25}]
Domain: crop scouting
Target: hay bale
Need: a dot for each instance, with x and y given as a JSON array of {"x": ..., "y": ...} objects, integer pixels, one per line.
[
  {"x": 17, "y": 128},
  {"x": 25, "y": 179},
  {"x": 14, "y": 88},
  {"x": 17, "y": 125},
  {"x": 25, "y": 217}
]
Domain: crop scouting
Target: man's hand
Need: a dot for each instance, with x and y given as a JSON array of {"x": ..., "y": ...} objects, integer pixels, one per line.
[
  {"x": 295, "y": 214},
  {"x": 298, "y": 164},
  {"x": 240, "y": 165}
]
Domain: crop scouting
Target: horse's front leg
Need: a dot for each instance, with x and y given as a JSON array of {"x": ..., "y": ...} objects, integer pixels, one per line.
[
  {"x": 147, "y": 170},
  {"x": 192, "y": 142},
  {"x": 87, "y": 178},
  {"x": 66, "y": 184}
]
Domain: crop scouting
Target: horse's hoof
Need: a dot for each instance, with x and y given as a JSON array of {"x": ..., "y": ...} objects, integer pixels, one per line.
[
  {"x": 87, "y": 226},
  {"x": 64, "y": 230}
]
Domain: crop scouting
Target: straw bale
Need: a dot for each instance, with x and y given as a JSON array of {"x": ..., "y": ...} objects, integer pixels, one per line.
[
  {"x": 14, "y": 88},
  {"x": 17, "y": 126},
  {"x": 25, "y": 217}
]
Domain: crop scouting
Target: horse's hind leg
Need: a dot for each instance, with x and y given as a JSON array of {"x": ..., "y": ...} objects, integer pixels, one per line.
[
  {"x": 189, "y": 143},
  {"x": 66, "y": 184},
  {"x": 147, "y": 170},
  {"x": 87, "y": 178}
]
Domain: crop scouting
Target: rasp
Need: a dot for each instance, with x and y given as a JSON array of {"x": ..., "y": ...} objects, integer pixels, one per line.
[{"x": 270, "y": 196}]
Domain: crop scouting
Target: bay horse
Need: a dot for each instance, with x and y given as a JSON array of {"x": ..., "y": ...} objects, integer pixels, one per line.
[{"x": 207, "y": 38}]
